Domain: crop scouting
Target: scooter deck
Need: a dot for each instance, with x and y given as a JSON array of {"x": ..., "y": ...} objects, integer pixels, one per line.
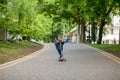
[{"x": 62, "y": 60}]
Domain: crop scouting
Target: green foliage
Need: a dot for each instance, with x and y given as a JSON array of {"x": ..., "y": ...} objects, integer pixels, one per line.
[
  {"x": 42, "y": 27},
  {"x": 23, "y": 19},
  {"x": 43, "y": 19}
]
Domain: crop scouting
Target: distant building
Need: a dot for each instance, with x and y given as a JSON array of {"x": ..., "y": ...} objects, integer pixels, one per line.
[
  {"x": 112, "y": 31},
  {"x": 73, "y": 35}
]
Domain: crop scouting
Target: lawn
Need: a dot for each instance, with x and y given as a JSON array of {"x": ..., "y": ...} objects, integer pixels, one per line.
[
  {"x": 111, "y": 48},
  {"x": 12, "y": 50}
]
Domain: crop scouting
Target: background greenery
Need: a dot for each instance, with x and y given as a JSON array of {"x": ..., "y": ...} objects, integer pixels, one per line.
[{"x": 43, "y": 19}]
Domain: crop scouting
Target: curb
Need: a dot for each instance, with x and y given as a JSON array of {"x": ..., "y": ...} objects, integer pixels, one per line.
[
  {"x": 19, "y": 60},
  {"x": 107, "y": 54}
]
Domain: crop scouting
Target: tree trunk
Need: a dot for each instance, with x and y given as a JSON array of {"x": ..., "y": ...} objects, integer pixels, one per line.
[
  {"x": 93, "y": 31},
  {"x": 5, "y": 35},
  {"x": 119, "y": 36},
  {"x": 19, "y": 18},
  {"x": 82, "y": 35},
  {"x": 101, "y": 31},
  {"x": 78, "y": 32},
  {"x": 32, "y": 33},
  {"x": 78, "y": 25},
  {"x": 52, "y": 31},
  {"x": 103, "y": 22}
]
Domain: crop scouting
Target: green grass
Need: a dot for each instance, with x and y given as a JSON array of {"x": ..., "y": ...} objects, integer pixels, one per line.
[
  {"x": 8, "y": 50},
  {"x": 12, "y": 47},
  {"x": 111, "y": 48}
]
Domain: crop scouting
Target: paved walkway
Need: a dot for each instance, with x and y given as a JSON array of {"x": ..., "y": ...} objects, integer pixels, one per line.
[{"x": 83, "y": 63}]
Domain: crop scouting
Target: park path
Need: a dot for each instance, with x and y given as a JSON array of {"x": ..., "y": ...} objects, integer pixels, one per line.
[{"x": 83, "y": 63}]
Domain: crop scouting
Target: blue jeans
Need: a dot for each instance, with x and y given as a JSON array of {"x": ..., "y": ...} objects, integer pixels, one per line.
[{"x": 60, "y": 52}]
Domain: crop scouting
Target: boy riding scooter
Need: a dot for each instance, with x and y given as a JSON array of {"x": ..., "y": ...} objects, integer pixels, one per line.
[{"x": 59, "y": 42}]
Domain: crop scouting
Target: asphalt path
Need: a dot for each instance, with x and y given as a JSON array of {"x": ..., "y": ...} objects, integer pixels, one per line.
[{"x": 82, "y": 63}]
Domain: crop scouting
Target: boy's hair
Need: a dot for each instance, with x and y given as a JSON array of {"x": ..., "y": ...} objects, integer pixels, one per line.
[{"x": 60, "y": 36}]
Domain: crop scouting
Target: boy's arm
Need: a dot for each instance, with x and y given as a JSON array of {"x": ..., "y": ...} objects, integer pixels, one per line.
[
  {"x": 65, "y": 41},
  {"x": 55, "y": 41}
]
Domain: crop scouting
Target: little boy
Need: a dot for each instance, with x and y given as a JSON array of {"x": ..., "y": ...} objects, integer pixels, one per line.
[{"x": 59, "y": 45}]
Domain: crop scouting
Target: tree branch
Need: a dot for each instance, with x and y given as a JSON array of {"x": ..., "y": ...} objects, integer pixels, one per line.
[
  {"x": 111, "y": 7},
  {"x": 87, "y": 24}
]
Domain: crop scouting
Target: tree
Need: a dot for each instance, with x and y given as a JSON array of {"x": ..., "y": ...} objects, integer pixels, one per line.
[
  {"x": 34, "y": 17},
  {"x": 101, "y": 10},
  {"x": 3, "y": 18},
  {"x": 77, "y": 10},
  {"x": 23, "y": 13},
  {"x": 94, "y": 31},
  {"x": 53, "y": 10}
]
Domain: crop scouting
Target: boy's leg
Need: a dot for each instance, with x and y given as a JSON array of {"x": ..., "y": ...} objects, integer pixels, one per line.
[{"x": 60, "y": 53}]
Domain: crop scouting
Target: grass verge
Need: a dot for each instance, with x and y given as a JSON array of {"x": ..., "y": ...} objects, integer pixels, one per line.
[
  {"x": 13, "y": 50},
  {"x": 111, "y": 48}
]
